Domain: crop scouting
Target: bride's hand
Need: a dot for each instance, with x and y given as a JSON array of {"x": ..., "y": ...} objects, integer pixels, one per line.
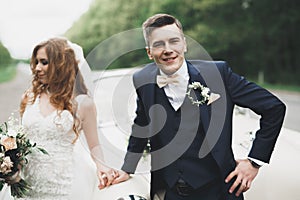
[
  {"x": 123, "y": 176},
  {"x": 106, "y": 176},
  {"x": 13, "y": 179}
]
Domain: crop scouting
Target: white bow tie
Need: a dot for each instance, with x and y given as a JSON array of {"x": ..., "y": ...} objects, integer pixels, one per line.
[{"x": 163, "y": 80}]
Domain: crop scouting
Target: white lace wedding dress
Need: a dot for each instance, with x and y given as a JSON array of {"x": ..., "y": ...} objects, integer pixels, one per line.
[{"x": 66, "y": 173}]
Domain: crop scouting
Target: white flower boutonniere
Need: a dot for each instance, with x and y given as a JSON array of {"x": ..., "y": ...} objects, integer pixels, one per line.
[{"x": 206, "y": 95}]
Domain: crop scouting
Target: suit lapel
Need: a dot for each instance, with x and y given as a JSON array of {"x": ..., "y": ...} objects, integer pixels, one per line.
[
  {"x": 195, "y": 76},
  {"x": 146, "y": 81},
  {"x": 152, "y": 93}
]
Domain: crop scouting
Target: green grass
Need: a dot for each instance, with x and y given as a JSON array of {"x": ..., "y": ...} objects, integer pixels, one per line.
[
  {"x": 290, "y": 88},
  {"x": 7, "y": 73}
]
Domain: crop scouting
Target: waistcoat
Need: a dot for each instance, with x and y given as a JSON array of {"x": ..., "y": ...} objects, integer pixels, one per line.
[{"x": 188, "y": 166}]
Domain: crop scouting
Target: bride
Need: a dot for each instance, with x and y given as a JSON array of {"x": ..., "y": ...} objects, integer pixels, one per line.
[{"x": 56, "y": 110}]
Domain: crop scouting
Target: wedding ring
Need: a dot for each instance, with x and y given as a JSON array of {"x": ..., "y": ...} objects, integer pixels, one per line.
[{"x": 112, "y": 174}]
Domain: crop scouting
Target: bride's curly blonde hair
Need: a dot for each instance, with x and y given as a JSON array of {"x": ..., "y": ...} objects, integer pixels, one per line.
[{"x": 65, "y": 81}]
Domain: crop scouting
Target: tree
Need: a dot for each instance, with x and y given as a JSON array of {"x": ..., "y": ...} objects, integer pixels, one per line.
[
  {"x": 5, "y": 58},
  {"x": 252, "y": 35}
]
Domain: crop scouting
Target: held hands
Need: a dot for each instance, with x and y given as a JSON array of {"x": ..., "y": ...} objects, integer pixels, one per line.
[
  {"x": 244, "y": 173},
  {"x": 123, "y": 176},
  {"x": 108, "y": 176}
]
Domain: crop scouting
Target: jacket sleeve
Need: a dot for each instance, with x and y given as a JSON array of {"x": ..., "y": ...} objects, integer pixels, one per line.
[
  {"x": 138, "y": 139},
  {"x": 272, "y": 111}
]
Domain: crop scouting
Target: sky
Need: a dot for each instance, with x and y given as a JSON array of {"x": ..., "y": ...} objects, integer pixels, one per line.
[{"x": 25, "y": 23}]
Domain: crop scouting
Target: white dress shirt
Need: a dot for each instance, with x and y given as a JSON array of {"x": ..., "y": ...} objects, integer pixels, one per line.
[{"x": 176, "y": 92}]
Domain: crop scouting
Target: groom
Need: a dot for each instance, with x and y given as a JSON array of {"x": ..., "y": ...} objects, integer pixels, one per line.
[{"x": 190, "y": 134}]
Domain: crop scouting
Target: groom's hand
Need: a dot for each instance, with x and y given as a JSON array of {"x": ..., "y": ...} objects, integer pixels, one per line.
[
  {"x": 244, "y": 173},
  {"x": 123, "y": 176}
]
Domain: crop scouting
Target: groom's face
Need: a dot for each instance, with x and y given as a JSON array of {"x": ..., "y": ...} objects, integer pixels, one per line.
[{"x": 167, "y": 46}]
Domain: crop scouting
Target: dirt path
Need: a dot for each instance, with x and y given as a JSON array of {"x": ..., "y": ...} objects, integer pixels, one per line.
[{"x": 12, "y": 91}]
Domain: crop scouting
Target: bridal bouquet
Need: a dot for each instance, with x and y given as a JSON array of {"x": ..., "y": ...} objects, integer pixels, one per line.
[{"x": 14, "y": 149}]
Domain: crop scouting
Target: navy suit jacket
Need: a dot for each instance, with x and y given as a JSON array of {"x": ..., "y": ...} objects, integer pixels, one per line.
[{"x": 216, "y": 118}]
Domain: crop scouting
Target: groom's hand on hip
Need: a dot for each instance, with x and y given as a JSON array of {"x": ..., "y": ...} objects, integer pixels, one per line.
[
  {"x": 123, "y": 176},
  {"x": 244, "y": 173}
]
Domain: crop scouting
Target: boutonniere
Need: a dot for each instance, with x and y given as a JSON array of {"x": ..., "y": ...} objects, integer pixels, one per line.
[{"x": 206, "y": 96}]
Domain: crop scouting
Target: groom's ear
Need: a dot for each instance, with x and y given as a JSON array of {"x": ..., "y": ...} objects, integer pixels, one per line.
[{"x": 149, "y": 53}]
